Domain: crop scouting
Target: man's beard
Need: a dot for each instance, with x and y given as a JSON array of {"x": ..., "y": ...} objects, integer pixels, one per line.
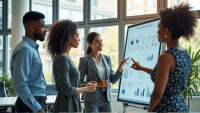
[{"x": 38, "y": 36}]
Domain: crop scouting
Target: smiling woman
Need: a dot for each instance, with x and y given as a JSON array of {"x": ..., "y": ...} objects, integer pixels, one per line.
[
  {"x": 98, "y": 67},
  {"x": 109, "y": 35}
]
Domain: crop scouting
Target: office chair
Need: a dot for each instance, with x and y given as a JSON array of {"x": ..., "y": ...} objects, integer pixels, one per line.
[{"x": 3, "y": 94}]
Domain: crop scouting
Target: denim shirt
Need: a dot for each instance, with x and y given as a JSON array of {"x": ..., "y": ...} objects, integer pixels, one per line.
[{"x": 26, "y": 72}]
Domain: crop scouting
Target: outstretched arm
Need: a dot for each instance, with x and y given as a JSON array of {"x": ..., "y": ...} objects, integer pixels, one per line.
[
  {"x": 147, "y": 70},
  {"x": 122, "y": 64},
  {"x": 138, "y": 67},
  {"x": 115, "y": 76}
]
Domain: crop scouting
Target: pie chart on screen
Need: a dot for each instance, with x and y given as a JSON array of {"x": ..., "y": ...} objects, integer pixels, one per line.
[
  {"x": 132, "y": 42},
  {"x": 123, "y": 91}
]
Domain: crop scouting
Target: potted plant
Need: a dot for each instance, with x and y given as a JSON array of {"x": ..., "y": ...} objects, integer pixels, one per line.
[
  {"x": 193, "y": 80},
  {"x": 8, "y": 85}
]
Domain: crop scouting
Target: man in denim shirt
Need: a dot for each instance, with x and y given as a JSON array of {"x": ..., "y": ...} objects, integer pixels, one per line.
[{"x": 26, "y": 66}]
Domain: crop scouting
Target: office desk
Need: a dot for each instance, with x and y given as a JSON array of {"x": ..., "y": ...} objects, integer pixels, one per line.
[{"x": 10, "y": 101}]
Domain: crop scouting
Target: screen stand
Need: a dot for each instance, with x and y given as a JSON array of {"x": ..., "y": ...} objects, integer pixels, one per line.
[{"x": 126, "y": 105}]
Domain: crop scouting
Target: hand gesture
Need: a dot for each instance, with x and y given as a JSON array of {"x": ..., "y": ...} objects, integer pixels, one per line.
[
  {"x": 91, "y": 86},
  {"x": 93, "y": 82},
  {"x": 122, "y": 64},
  {"x": 103, "y": 83},
  {"x": 136, "y": 65}
]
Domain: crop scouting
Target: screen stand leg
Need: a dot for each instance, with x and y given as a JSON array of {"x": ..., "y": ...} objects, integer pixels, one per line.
[{"x": 126, "y": 105}]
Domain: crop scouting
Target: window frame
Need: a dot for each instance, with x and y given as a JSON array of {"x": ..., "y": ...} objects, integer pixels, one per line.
[
  {"x": 159, "y": 7},
  {"x": 1, "y": 30},
  {"x": 5, "y": 32},
  {"x": 103, "y": 20},
  {"x": 30, "y": 9},
  {"x": 57, "y": 8},
  {"x": 6, "y": 17}
]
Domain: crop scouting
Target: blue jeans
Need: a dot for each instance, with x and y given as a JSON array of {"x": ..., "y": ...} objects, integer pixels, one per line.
[{"x": 102, "y": 106}]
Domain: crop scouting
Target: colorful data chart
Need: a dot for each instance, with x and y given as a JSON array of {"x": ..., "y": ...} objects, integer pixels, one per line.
[
  {"x": 142, "y": 93},
  {"x": 148, "y": 92},
  {"x": 150, "y": 58},
  {"x": 137, "y": 92},
  {"x": 125, "y": 74}
]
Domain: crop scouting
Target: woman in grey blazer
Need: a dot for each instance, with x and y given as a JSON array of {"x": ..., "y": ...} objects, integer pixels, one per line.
[
  {"x": 62, "y": 37},
  {"x": 97, "y": 67}
]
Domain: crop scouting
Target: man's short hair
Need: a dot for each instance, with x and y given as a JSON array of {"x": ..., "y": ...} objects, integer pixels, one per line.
[{"x": 32, "y": 16}]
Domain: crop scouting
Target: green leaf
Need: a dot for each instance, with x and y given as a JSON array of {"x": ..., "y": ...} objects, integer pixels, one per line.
[
  {"x": 189, "y": 51},
  {"x": 192, "y": 61},
  {"x": 184, "y": 94},
  {"x": 196, "y": 55},
  {"x": 190, "y": 93}
]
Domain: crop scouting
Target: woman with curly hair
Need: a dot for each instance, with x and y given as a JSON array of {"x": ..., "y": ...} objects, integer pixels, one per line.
[
  {"x": 62, "y": 37},
  {"x": 173, "y": 66}
]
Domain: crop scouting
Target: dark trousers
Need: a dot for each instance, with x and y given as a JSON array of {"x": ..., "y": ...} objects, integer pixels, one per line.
[{"x": 21, "y": 107}]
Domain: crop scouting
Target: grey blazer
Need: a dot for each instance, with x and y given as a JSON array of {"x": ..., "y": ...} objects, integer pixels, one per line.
[{"x": 89, "y": 69}]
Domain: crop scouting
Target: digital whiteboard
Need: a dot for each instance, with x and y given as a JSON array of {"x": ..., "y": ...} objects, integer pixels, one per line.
[{"x": 143, "y": 46}]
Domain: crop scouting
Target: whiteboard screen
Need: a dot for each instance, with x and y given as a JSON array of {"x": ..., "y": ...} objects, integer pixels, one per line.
[{"x": 143, "y": 46}]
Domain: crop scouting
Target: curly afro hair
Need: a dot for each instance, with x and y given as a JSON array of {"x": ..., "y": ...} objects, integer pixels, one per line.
[
  {"x": 179, "y": 20},
  {"x": 60, "y": 35}
]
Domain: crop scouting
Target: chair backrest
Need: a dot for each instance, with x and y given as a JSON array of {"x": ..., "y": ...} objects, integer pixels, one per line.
[
  {"x": 2, "y": 89},
  {"x": 51, "y": 89}
]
